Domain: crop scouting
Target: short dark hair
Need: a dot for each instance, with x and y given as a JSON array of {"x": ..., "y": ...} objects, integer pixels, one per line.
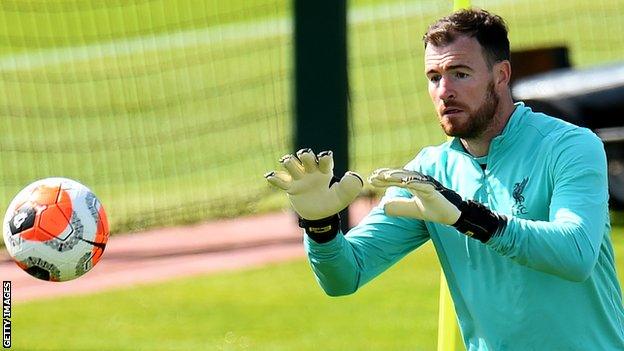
[{"x": 489, "y": 29}]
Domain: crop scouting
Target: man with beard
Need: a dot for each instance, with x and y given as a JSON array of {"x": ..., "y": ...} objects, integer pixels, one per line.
[{"x": 515, "y": 205}]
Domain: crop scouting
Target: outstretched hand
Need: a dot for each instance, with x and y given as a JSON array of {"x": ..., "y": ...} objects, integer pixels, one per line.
[
  {"x": 433, "y": 202},
  {"x": 309, "y": 182},
  {"x": 430, "y": 201}
]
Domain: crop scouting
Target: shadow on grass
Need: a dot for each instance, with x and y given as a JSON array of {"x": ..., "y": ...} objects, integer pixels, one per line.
[{"x": 617, "y": 218}]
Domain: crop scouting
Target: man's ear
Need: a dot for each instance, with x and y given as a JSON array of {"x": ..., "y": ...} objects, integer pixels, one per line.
[{"x": 502, "y": 73}]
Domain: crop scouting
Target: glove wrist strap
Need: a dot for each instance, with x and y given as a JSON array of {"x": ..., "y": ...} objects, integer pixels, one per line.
[
  {"x": 479, "y": 222},
  {"x": 321, "y": 230}
]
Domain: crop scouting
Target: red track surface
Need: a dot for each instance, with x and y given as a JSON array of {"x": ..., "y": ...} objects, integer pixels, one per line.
[{"x": 163, "y": 254}]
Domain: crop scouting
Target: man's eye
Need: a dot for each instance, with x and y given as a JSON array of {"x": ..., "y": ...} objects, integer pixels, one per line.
[
  {"x": 461, "y": 75},
  {"x": 434, "y": 79}
]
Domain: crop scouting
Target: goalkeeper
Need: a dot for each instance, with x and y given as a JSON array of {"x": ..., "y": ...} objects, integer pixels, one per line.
[{"x": 515, "y": 205}]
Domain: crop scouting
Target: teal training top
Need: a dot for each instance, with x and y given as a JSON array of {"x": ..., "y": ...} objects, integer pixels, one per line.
[{"x": 547, "y": 281}]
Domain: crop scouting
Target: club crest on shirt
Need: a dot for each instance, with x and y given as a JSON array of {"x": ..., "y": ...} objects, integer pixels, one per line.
[{"x": 518, "y": 206}]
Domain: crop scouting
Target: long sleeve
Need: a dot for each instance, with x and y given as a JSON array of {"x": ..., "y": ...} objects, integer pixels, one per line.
[
  {"x": 347, "y": 262},
  {"x": 568, "y": 244}
]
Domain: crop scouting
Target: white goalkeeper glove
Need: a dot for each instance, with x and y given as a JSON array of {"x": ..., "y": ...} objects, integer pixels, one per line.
[
  {"x": 314, "y": 192},
  {"x": 434, "y": 203}
]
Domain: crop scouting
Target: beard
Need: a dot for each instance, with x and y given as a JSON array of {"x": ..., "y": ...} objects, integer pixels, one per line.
[{"x": 477, "y": 122}]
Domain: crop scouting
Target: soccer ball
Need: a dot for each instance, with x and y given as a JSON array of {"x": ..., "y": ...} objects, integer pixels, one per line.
[{"x": 55, "y": 229}]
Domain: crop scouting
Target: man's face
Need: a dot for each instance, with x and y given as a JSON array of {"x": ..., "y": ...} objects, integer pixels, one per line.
[{"x": 461, "y": 86}]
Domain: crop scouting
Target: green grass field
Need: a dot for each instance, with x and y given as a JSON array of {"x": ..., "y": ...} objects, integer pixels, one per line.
[
  {"x": 278, "y": 307},
  {"x": 171, "y": 111}
]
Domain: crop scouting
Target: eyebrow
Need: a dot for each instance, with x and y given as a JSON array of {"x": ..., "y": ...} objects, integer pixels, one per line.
[{"x": 451, "y": 67}]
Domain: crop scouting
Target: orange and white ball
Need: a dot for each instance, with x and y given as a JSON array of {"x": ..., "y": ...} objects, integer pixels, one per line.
[{"x": 55, "y": 229}]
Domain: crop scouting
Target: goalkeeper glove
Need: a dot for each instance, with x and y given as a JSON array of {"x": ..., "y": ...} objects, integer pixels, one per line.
[
  {"x": 314, "y": 192},
  {"x": 435, "y": 203}
]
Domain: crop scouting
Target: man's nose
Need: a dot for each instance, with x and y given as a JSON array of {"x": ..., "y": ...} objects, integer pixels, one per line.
[{"x": 446, "y": 90}]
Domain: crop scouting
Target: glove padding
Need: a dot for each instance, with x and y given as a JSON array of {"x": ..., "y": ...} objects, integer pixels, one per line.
[
  {"x": 435, "y": 203},
  {"x": 313, "y": 190},
  {"x": 427, "y": 204}
]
